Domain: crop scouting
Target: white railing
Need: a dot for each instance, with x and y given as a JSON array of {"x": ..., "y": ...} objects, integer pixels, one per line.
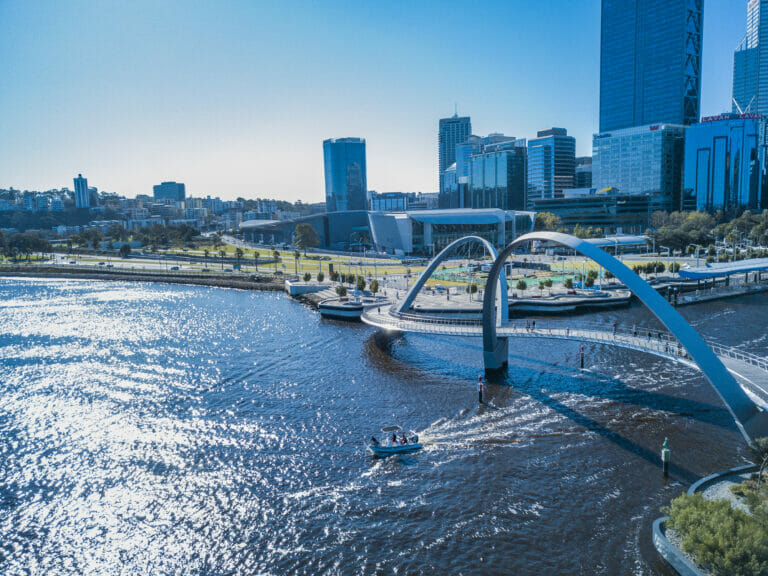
[{"x": 660, "y": 342}]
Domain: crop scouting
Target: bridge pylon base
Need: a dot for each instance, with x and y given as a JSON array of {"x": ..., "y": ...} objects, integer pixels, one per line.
[{"x": 498, "y": 358}]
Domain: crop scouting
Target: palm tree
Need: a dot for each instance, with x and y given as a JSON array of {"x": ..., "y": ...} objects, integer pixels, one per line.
[
  {"x": 276, "y": 256},
  {"x": 256, "y": 260},
  {"x": 239, "y": 254},
  {"x": 296, "y": 256},
  {"x": 221, "y": 255},
  {"x": 206, "y": 253}
]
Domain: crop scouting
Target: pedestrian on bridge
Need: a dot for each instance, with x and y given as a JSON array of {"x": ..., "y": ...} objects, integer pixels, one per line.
[{"x": 480, "y": 389}]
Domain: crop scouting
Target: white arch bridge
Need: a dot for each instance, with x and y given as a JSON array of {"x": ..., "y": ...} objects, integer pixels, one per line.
[{"x": 740, "y": 379}]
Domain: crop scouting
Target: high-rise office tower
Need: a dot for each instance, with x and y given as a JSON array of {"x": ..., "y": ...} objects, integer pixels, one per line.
[
  {"x": 452, "y": 131},
  {"x": 750, "y": 62},
  {"x": 82, "y": 196},
  {"x": 551, "y": 164},
  {"x": 346, "y": 185},
  {"x": 650, "y": 62},
  {"x": 175, "y": 191}
]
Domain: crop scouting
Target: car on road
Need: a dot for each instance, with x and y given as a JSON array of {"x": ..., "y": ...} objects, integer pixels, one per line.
[
  {"x": 174, "y": 267},
  {"x": 206, "y": 269},
  {"x": 102, "y": 263},
  {"x": 73, "y": 261},
  {"x": 110, "y": 265}
]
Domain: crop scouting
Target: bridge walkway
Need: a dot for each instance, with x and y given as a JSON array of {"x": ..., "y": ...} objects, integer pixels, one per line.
[{"x": 750, "y": 370}]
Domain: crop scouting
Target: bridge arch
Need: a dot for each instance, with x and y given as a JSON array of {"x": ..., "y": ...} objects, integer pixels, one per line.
[
  {"x": 502, "y": 309},
  {"x": 751, "y": 421}
]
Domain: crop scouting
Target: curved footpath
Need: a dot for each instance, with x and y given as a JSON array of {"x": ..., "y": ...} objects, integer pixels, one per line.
[{"x": 675, "y": 557}]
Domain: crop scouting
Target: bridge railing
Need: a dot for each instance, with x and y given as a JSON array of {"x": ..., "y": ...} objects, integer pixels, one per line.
[{"x": 659, "y": 341}]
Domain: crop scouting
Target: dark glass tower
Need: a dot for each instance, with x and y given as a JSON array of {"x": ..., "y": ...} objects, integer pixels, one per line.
[
  {"x": 346, "y": 186},
  {"x": 650, "y": 62},
  {"x": 453, "y": 131}
]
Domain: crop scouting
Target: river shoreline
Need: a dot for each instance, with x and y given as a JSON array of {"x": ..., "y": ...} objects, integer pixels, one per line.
[{"x": 263, "y": 283}]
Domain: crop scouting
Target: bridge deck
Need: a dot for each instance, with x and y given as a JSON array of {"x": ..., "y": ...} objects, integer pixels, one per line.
[{"x": 751, "y": 371}]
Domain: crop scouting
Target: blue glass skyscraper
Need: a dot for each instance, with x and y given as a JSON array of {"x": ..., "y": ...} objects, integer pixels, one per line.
[
  {"x": 551, "y": 164},
  {"x": 750, "y": 63},
  {"x": 346, "y": 185},
  {"x": 650, "y": 62}
]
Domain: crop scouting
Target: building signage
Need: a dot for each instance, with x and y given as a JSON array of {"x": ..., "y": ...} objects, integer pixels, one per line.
[{"x": 721, "y": 117}]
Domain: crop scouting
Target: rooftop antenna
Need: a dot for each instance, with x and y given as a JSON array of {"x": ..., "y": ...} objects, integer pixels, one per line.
[{"x": 455, "y": 110}]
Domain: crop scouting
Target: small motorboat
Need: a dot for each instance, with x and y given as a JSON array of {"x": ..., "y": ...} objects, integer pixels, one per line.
[{"x": 389, "y": 447}]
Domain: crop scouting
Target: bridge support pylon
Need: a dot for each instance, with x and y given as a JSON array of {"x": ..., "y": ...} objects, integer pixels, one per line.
[{"x": 497, "y": 359}]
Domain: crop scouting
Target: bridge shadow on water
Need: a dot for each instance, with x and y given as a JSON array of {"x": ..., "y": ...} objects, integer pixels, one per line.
[{"x": 525, "y": 377}]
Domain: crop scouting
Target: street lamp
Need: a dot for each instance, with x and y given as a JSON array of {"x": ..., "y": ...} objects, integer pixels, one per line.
[
  {"x": 668, "y": 252},
  {"x": 698, "y": 247}
]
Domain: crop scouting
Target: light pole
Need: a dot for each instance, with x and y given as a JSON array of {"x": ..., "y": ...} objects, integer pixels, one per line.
[{"x": 668, "y": 252}]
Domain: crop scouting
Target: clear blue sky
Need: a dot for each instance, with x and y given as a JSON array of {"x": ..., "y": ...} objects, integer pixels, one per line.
[{"x": 234, "y": 97}]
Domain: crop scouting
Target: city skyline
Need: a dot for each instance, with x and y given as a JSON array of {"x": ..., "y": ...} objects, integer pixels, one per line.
[{"x": 87, "y": 98}]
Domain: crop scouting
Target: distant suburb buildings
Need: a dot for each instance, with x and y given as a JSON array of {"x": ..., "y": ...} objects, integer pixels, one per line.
[
  {"x": 82, "y": 196},
  {"x": 174, "y": 191}
]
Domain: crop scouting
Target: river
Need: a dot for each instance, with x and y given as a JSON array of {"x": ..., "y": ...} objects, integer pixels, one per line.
[{"x": 164, "y": 429}]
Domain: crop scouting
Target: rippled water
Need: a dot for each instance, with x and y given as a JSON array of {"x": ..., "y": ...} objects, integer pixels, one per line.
[{"x": 153, "y": 429}]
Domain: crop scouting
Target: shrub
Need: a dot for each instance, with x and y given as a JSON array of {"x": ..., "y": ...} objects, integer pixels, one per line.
[
  {"x": 374, "y": 286},
  {"x": 320, "y": 276},
  {"x": 568, "y": 283},
  {"x": 589, "y": 282},
  {"x": 360, "y": 283},
  {"x": 335, "y": 276},
  {"x": 521, "y": 285},
  {"x": 307, "y": 277},
  {"x": 721, "y": 538},
  {"x": 341, "y": 291}
]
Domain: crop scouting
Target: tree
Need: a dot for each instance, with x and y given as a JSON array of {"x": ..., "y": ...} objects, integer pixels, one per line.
[
  {"x": 320, "y": 276},
  {"x": 125, "y": 249},
  {"x": 542, "y": 285},
  {"x": 521, "y": 285},
  {"x": 374, "y": 286},
  {"x": 568, "y": 283},
  {"x": 546, "y": 221},
  {"x": 256, "y": 260},
  {"x": 360, "y": 283},
  {"x": 276, "y": 258},
  {"x": 548, "y": 283},
  {"x": 305, "y": 237},
  {"x": 222, "y": 253},
  {"x": 341, "y": 291},
  {"x": 206, "y": 253},
  {"x": 239, "y": 254},
  {"x": 296, "y": 256}
]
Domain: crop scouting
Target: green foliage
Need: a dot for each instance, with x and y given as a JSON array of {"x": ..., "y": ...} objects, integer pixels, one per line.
[
  {"x": 548, "y": 282},
  {"x": 307, "y": 277},
  {"x": 374, "y": 286},
  {"x": 334, "y": 276},
  {"x": 568, "y": 283},
  {"x": 305, "y": 237},
  {"x": 592, "y": 274},
  {"x": 472, "y": 288},
  {"x": 161, "y": 235},
  {"x": 522, "y": 285},
  {"x": 721, "y": 538},
  {"x": 589, "y": 282},
  {"x": 581, "y": 232},
  {"x": 125, "y": 249},
  {"x": 546, "y": 221},
  {"x": 609, "y": 275},
  {"x": 320, "y": 276},
  {"x": 361, "y": 283},
  {"x": 341, "y": 291},
  {"x": 679, "y": 229},
  {"x": 22, "y": 243}
]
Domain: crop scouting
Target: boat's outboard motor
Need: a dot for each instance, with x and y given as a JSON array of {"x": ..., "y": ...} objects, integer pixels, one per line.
[{"x": 414, "y": 439}]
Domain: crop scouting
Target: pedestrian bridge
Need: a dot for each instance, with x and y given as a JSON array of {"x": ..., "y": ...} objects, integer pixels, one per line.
[
  {"x": 749, "y": 369},
  {"x": 746, "y": 399}
]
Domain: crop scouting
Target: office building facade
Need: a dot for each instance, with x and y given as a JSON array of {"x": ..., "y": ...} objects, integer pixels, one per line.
[
  {"x": 346, "y": 184},
  {"x": 613, "y": 213},
  {"x": 725, "y": 163},
  {"x": 650, "y": 62},
  {"x": 750, "y": 63},
  {"x": 82, "y": 196},
  {"x": 175, "y": 191},
  {"x": 582, "y": 177},
  {"x": 497, "y": 176},
  {"x": 551, "y": 164},
  {"x": 451, "y": 132},
  {"x": 641, "y": 160}
]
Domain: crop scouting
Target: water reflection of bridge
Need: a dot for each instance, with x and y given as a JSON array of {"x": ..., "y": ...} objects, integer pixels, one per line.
[{"x": 747, "y": 398}]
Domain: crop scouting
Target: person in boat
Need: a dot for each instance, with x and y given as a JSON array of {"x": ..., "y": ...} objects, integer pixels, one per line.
[
  {"x": 374, "y": 442},
  {"x": 404, "y": 440},
  {"x": 394, "y": 438}
]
